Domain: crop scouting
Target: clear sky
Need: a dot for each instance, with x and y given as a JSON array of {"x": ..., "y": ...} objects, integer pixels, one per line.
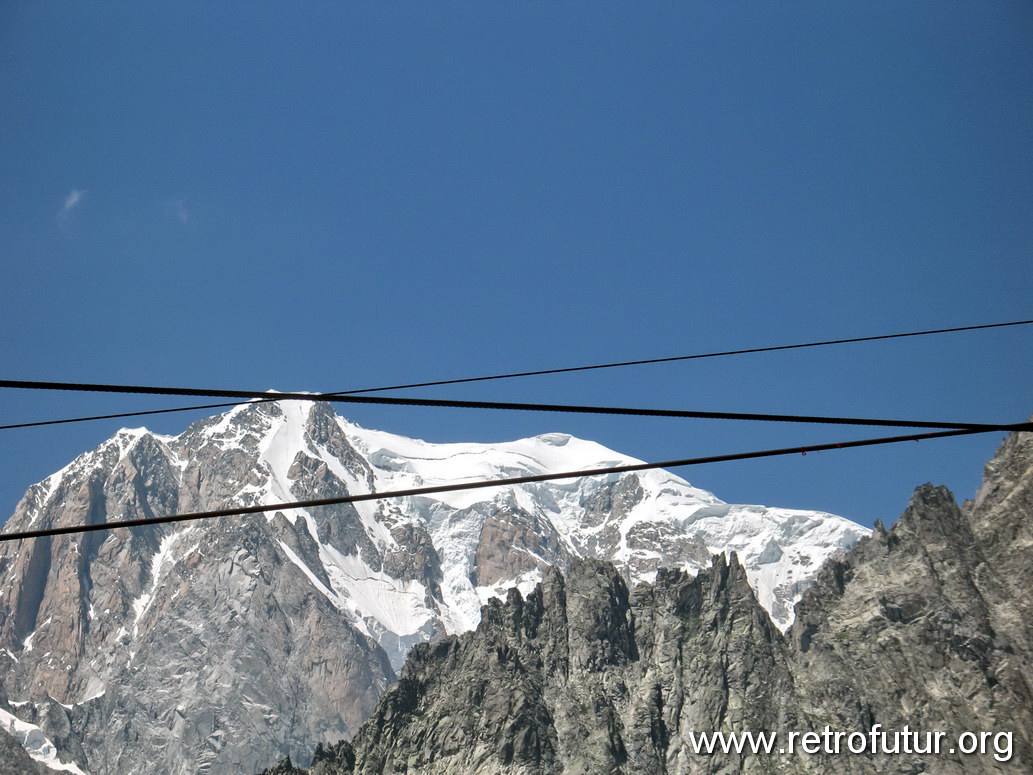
[{"x": 329, "y": 196}]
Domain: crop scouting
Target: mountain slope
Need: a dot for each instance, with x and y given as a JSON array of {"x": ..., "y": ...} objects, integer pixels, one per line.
[
  {"x": 221, "y": 645},
  {"x": 921, "y": 627}
]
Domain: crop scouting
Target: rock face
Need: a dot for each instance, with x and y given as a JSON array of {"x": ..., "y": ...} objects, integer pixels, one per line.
[
  {"x": 176, "y": 649},
  {"x": 582, "y": 677},
  {"x": 220, "y": 646},
  {"x": 14, "y": 760},
  {"x": 925, "y": 626},
  {"x": 930, "y": 623},
  {"x": 24, "y": 748}
]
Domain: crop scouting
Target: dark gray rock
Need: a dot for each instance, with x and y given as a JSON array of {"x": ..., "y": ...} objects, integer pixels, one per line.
[{"x": 14, "y": 760}]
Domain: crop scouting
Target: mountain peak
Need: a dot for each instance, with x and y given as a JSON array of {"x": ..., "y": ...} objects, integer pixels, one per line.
[{"x": 332, "y": 598}]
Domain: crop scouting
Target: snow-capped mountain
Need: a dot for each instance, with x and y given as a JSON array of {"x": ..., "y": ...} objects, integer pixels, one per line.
[{"x": 186, "y": 648}]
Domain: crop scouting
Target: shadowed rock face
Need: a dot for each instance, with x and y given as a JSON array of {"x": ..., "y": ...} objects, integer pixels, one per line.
[
  {"x": 927, "y": 625},
  {"x": 916, "y": 626},
  {"x": 181, "y": 649},
  {"x": 14, "y": 760}
]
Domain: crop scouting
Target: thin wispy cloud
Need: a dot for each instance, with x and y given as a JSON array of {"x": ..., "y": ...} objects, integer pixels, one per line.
[
  {"x": 73, "y": 200},
  {"x": 179, "y": 209}
]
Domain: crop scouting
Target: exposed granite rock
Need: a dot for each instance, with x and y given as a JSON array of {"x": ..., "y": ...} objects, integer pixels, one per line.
[
  {"x": 513, "y": 543},
  {"x": 1000, "y": 520},
  {"x": 14, "y": 760},
  {"x": 906, "y": 630}
]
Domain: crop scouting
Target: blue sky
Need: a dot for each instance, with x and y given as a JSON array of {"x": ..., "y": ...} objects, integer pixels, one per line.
[{"x": 324, "y": 196}]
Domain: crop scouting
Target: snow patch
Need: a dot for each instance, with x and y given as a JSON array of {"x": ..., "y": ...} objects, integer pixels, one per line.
[
  {"x": 278, "y": 449},
  {"x": 332, "y": 596},
  {"x": 163, "y": 555},
  {"x": 126, "y": 439},
  {"x": 95, "y": 689},
  {"x": 36, "y": 744},
  {"x": 397, "y": 606}
]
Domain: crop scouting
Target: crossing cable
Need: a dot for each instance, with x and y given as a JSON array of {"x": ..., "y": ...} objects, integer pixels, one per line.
[
  {"x": 123, "y": 414},
  {"x": 480, "y": 484},
  {"x": 540, "y": 372},
  {"x": 508, "y": 405}
]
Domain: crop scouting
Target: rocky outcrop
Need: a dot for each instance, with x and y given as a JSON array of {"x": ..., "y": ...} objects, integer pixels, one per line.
[
  {"x": 581, "y": 676},
  {"x": 929, "y": 624},
  {"x": 907, "y": 630},
  {"x": 14, "y": 760},
  {"x": 924, "y": 627}
]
